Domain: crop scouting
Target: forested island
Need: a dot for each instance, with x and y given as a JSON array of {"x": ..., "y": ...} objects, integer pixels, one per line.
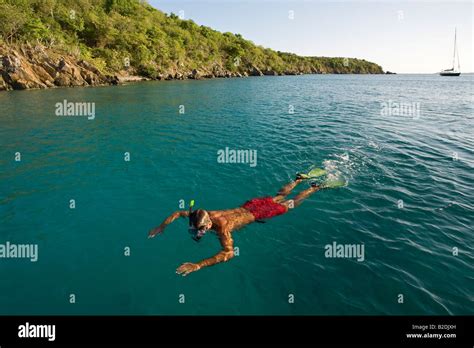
[{"x": 49, "y": 43}]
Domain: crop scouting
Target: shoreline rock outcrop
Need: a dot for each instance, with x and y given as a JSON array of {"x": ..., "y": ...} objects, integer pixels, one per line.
[{"x": 35, "y": 67}]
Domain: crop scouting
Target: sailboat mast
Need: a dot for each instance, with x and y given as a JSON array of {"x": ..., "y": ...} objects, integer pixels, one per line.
[
  {"x": 454, "y": 53},
  {"x": 457, "y": 54}
]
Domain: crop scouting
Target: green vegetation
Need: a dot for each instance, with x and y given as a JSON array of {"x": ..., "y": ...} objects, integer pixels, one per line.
[{"x": 109, "y": 33}]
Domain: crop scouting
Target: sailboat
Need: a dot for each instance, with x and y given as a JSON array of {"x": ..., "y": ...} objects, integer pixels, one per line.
[{"x": 453, "y": 71}]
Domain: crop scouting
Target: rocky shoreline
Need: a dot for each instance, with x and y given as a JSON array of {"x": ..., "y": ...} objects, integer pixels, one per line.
[{"x": 37, "y": 67}]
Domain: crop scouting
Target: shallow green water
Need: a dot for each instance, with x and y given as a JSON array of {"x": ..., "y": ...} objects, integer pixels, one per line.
[{"x": 336, "y": 124}]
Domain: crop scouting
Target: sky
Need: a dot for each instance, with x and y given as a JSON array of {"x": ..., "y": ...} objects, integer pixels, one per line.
[{"x": 401, "y": 36}]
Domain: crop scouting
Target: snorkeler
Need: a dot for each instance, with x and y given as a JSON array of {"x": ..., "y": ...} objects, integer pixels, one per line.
[{"x": 225, "y": 222}]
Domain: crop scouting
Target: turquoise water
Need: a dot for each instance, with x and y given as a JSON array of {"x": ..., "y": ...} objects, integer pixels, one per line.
[{"x": 337, "y": 124}]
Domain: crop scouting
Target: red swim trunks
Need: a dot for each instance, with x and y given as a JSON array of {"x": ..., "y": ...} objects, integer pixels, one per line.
[{"x": 264, "y": 208}]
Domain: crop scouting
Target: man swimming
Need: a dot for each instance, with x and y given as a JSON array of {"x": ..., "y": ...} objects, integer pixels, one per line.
[{"x": 225, "y": 222}]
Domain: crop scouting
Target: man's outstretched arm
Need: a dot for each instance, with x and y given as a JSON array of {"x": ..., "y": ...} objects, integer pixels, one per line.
[
  {"x": 224, "y": 255},
  {"x": 168, "y": 220}
]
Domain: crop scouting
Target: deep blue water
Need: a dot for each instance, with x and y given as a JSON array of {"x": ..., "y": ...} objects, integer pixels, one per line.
[{"x": 424, "y": 157}]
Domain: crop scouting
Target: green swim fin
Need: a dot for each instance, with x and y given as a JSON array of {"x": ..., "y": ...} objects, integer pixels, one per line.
[
  {"x": 313, "y": 173},
  {"x": 333, "y": 184}
]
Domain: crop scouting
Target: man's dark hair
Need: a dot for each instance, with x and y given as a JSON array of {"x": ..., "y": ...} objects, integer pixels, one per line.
[{"x": 198, "y": 218}]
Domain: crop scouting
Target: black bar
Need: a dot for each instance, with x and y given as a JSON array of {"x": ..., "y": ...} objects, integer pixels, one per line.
[{"x": 241, "y": 329}]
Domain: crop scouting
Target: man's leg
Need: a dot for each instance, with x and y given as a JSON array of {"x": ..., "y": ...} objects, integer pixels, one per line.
[
  {"x": 300, "y": 197},
  {"x": 286, "y": 190}
]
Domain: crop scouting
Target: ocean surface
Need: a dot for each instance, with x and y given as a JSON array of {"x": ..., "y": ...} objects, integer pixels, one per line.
[{"x": 404, "y": 144}]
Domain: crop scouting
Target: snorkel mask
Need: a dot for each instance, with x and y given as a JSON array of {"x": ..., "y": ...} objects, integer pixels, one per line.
[{"x": 196, "y": 233}]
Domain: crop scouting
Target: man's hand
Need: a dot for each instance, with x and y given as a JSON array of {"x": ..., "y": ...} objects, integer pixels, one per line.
[
  {"x": 168, "y": 220},
  {"x": 187, "y": 268},
  {"x": 155, "y": 231}
]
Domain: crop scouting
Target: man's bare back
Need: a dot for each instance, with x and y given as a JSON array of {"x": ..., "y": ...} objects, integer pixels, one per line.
[{"x": 225, "y": 222}]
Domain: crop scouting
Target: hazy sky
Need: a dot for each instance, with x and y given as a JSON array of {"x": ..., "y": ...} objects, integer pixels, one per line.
[{"x": 402, "y": 36}]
